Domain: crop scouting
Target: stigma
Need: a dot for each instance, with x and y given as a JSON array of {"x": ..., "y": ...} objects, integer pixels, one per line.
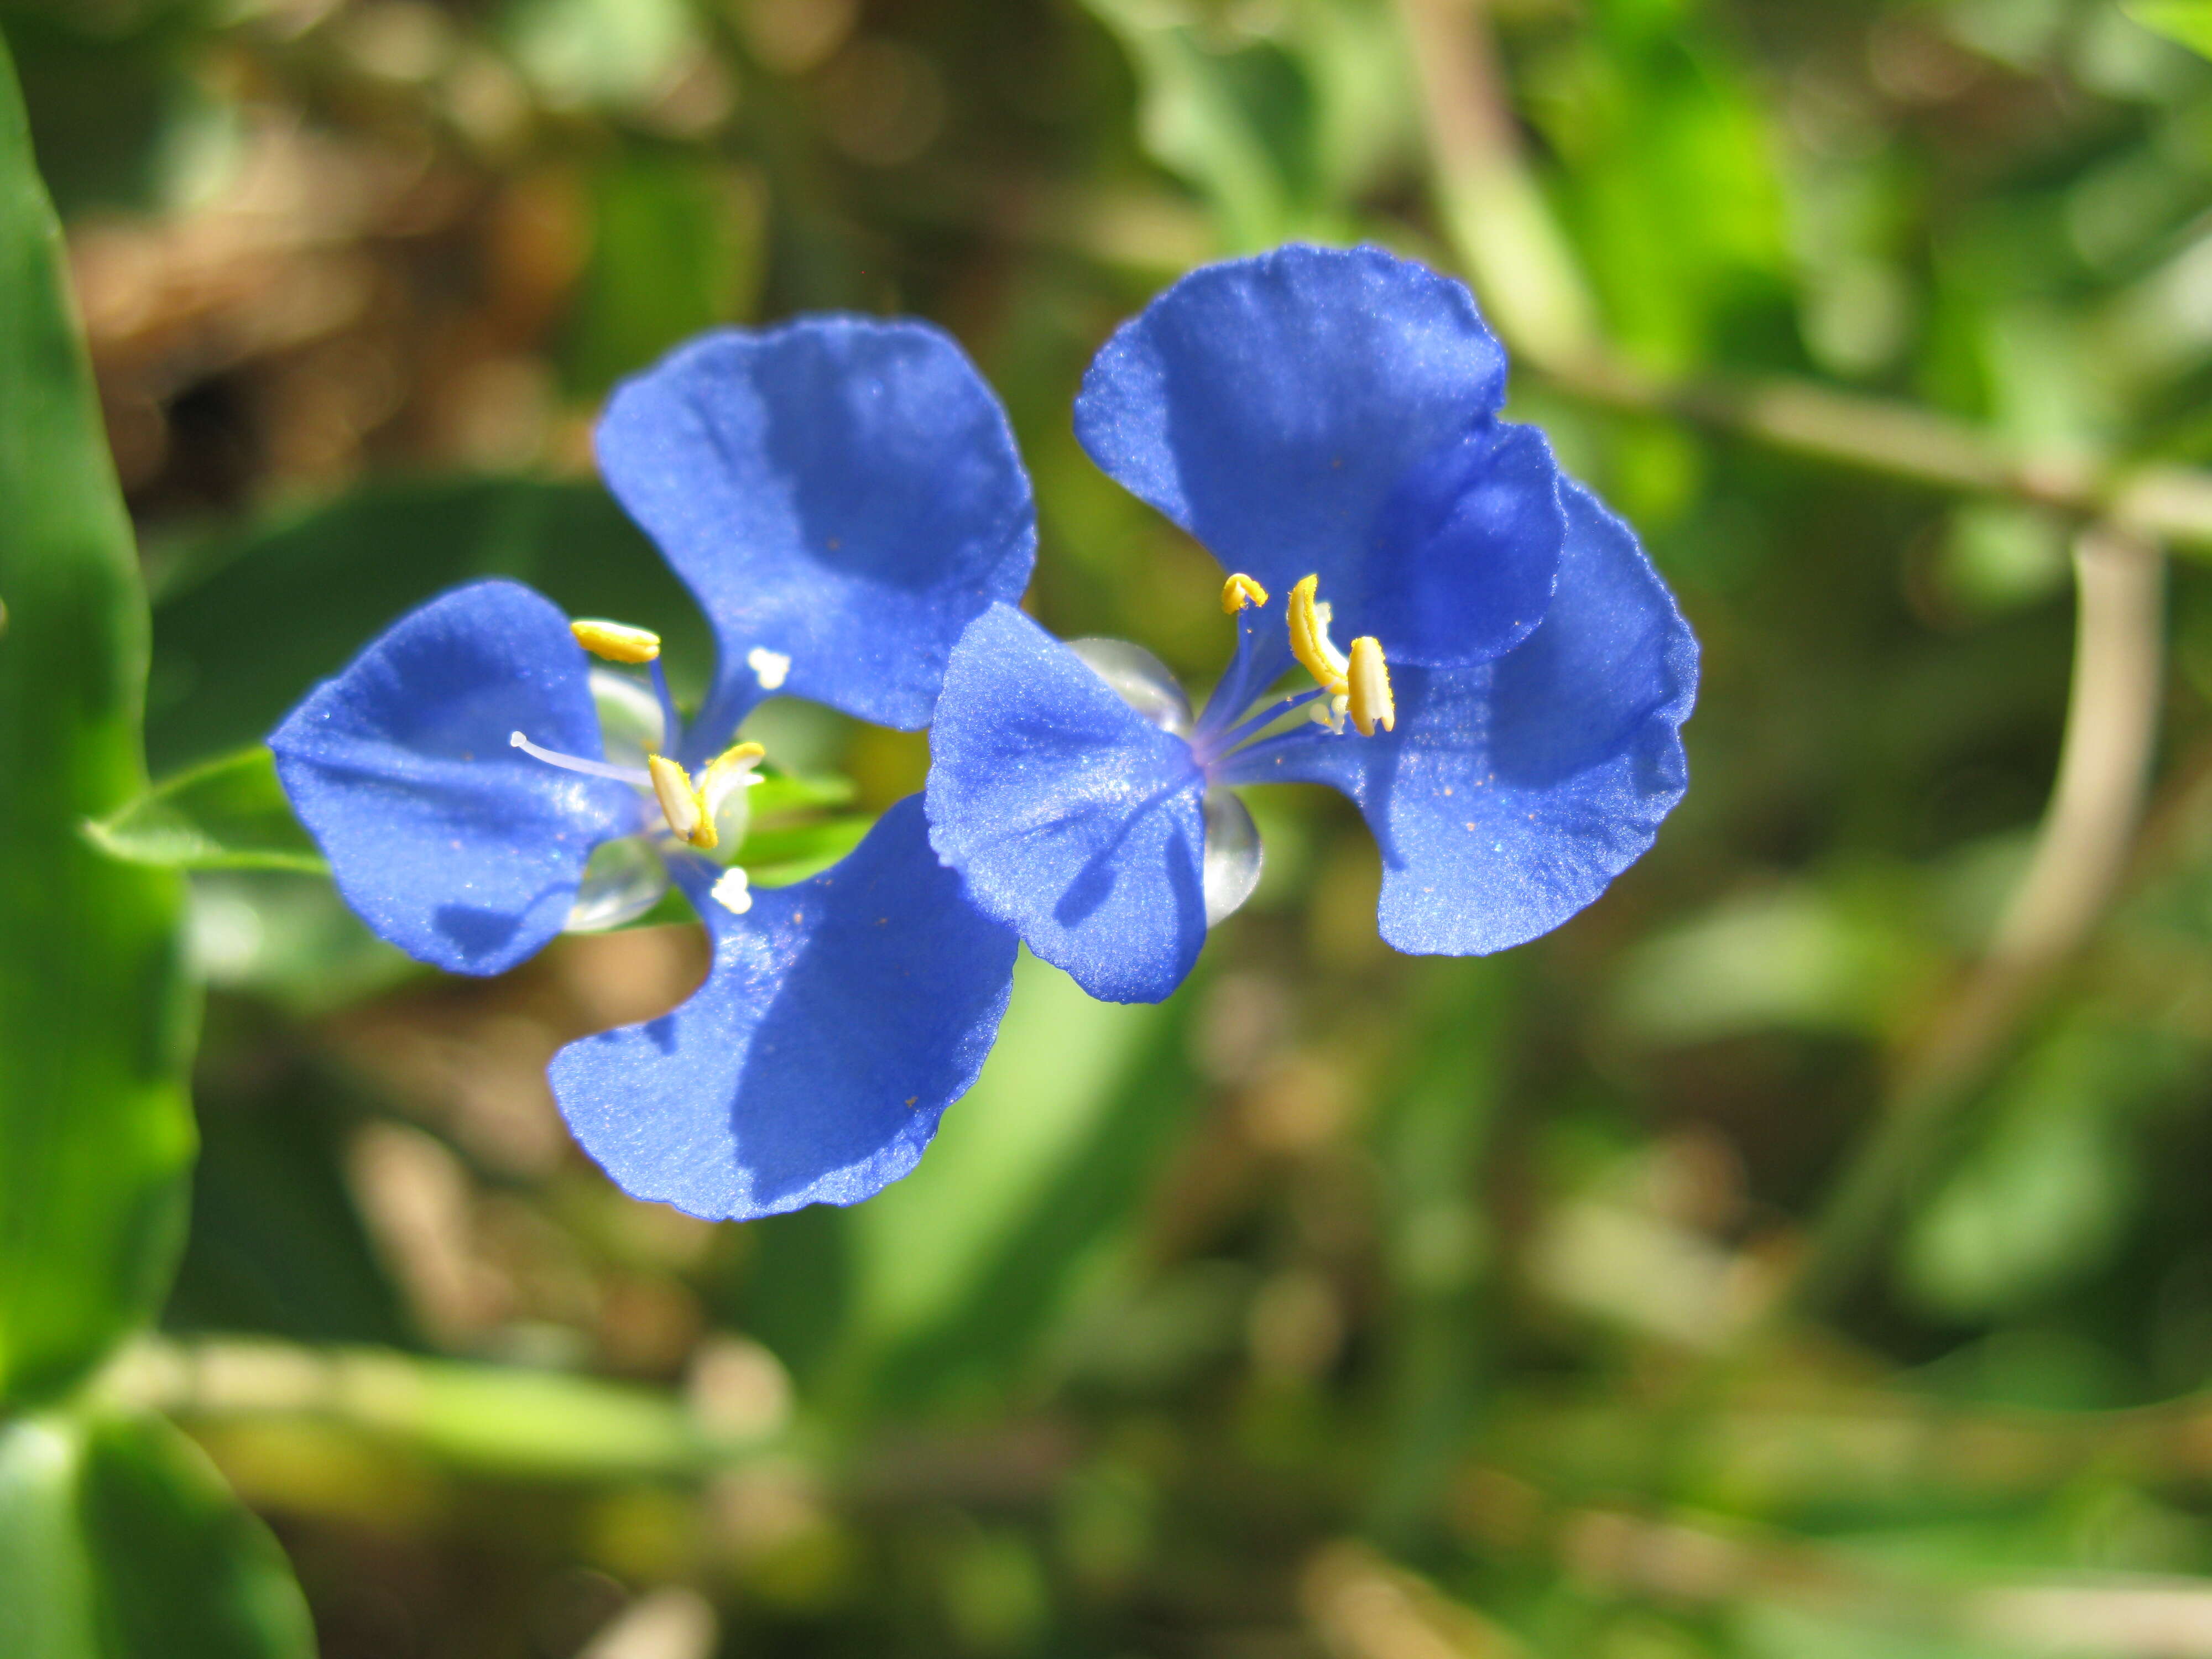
[
  {"x": 616, "y": 642},
  {"x": 1358, "y": 685}
]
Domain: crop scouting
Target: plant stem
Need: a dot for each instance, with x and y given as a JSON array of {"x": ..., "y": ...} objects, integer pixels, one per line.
[{"x": 2104, "y": 770}]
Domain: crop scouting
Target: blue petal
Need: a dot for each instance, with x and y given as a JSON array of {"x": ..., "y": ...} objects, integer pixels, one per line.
[
  {"x": 1329, "y": 412},
  {"x": 1075, "y": 821},
  {"x": 839, "y": 491},
  {"x": 841, "y": 1017},
  {"x": 1512, "y": 792},
  {"x": 459, "y": 849},
  {"x": 1465, "y": 552}
]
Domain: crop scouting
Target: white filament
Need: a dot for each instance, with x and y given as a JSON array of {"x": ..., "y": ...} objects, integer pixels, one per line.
[{"x": 635, "y": 776}]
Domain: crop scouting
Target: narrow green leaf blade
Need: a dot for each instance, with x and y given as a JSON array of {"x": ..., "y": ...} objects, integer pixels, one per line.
[
  {"x": 230, "y": 814},
  {"x": 119, "y": 1540},
  {"x": 95, "y": 1130}
]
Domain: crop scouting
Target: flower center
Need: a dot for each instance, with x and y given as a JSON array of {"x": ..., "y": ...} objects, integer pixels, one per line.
[
  {"x": 1357, "y": 683},
  {"x": 1354, "y": 683},
  {"x": 626, "y": 875}
]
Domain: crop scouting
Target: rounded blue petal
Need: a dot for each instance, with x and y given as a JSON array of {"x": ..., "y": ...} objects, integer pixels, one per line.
[
  {"x": 1513, "y": 792},
  {"x": 840, "y": 492},
  {"x": 1074, "y": 820},
  {"x": 462, "y": 851},
  {"x": 1465, "y": 553},
  {"x": 841, "y": 1017},
  {"x": 1329, "y": 412}
]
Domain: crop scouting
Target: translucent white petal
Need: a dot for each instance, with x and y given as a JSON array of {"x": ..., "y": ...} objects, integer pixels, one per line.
[
  {"x": 1232, "y": 855},
  {"x": 1140, "y": 679},
  {"x": 630, "y": 724},
  {"x": 623, "y": 880}
]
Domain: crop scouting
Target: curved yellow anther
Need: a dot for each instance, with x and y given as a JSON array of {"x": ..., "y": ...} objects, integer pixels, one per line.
[
  {"x": 1241, "y": 592},
  {"x": 727, "y": 773},
  {"x": 689, "y": 820},
  {"x": 616, "y": 642},
  {"x": 1309, "y": 640},
  {"x": 1370, "y": 701}
]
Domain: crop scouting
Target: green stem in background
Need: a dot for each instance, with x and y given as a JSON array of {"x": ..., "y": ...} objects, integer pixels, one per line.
[
  {"x": 2080, "y": 851},
  {"x": 501, "y": 1421},
  {"x": 1498, "y": 225}
]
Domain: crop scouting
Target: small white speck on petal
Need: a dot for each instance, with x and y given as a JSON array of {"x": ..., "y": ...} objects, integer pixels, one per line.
[
  {"x": 731, "y": 893},
  {"x": 768, "y": 667}
]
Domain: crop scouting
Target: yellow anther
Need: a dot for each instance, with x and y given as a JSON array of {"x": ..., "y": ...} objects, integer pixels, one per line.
[
  {"x": 1371, "y": 703},
  {"x": 727, "y": 773},
  {"x": 1309, "y": 640},
  {"x": 689, "y": 820},
  {"x": 617, "y": 642},
  {"x": 1241, "y": 593}
]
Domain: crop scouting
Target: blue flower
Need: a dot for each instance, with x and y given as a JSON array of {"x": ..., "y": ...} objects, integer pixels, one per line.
[
  {"x": 1506, "y": 717},
  {"x": 842, "y": 496}
]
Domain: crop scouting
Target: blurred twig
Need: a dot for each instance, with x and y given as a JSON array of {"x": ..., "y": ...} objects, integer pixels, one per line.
[
  {"x": 1496, "y": 222},
  {"x": 2104, "y": 769},
  {"x": 1516, "y": 257}
]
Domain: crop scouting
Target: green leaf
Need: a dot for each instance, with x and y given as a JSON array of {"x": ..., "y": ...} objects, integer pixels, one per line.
[
  {"x": 2189, "y": 21},
  {"x": 230, "y": 814},
  {"x": 2047, "y": 1195},
  {"x": 962, "y": 1266},
  {"x": 288, "y": 937},
  {"x": 787, "y": 853},
  {"x": 1224, "y": 120},
  {"x": 779, "y": 793},
  {"x": 1279, "y": 120},
  {"x": 676, "y": 246},
  {"x": 95, "y": 1128},
  {"x": 251, "y": 619},
  {"x": 119, "y": 1540}
]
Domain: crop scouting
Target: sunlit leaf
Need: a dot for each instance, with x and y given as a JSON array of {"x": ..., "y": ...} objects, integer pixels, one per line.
[
  {"x": 780, "y": 854},
  {"x": 780, "y": 793},
  {"x": 1279, "y": 119},
  {"x": 2189, "y": 21},
  {"x": 676, "y": 248},
  {"x": 118, "y": 1541},
  {"x": 96, "y": 1129}
]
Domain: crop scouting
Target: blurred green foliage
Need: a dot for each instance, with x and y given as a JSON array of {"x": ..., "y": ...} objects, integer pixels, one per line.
[{"x": 1348, "y": 1304}]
